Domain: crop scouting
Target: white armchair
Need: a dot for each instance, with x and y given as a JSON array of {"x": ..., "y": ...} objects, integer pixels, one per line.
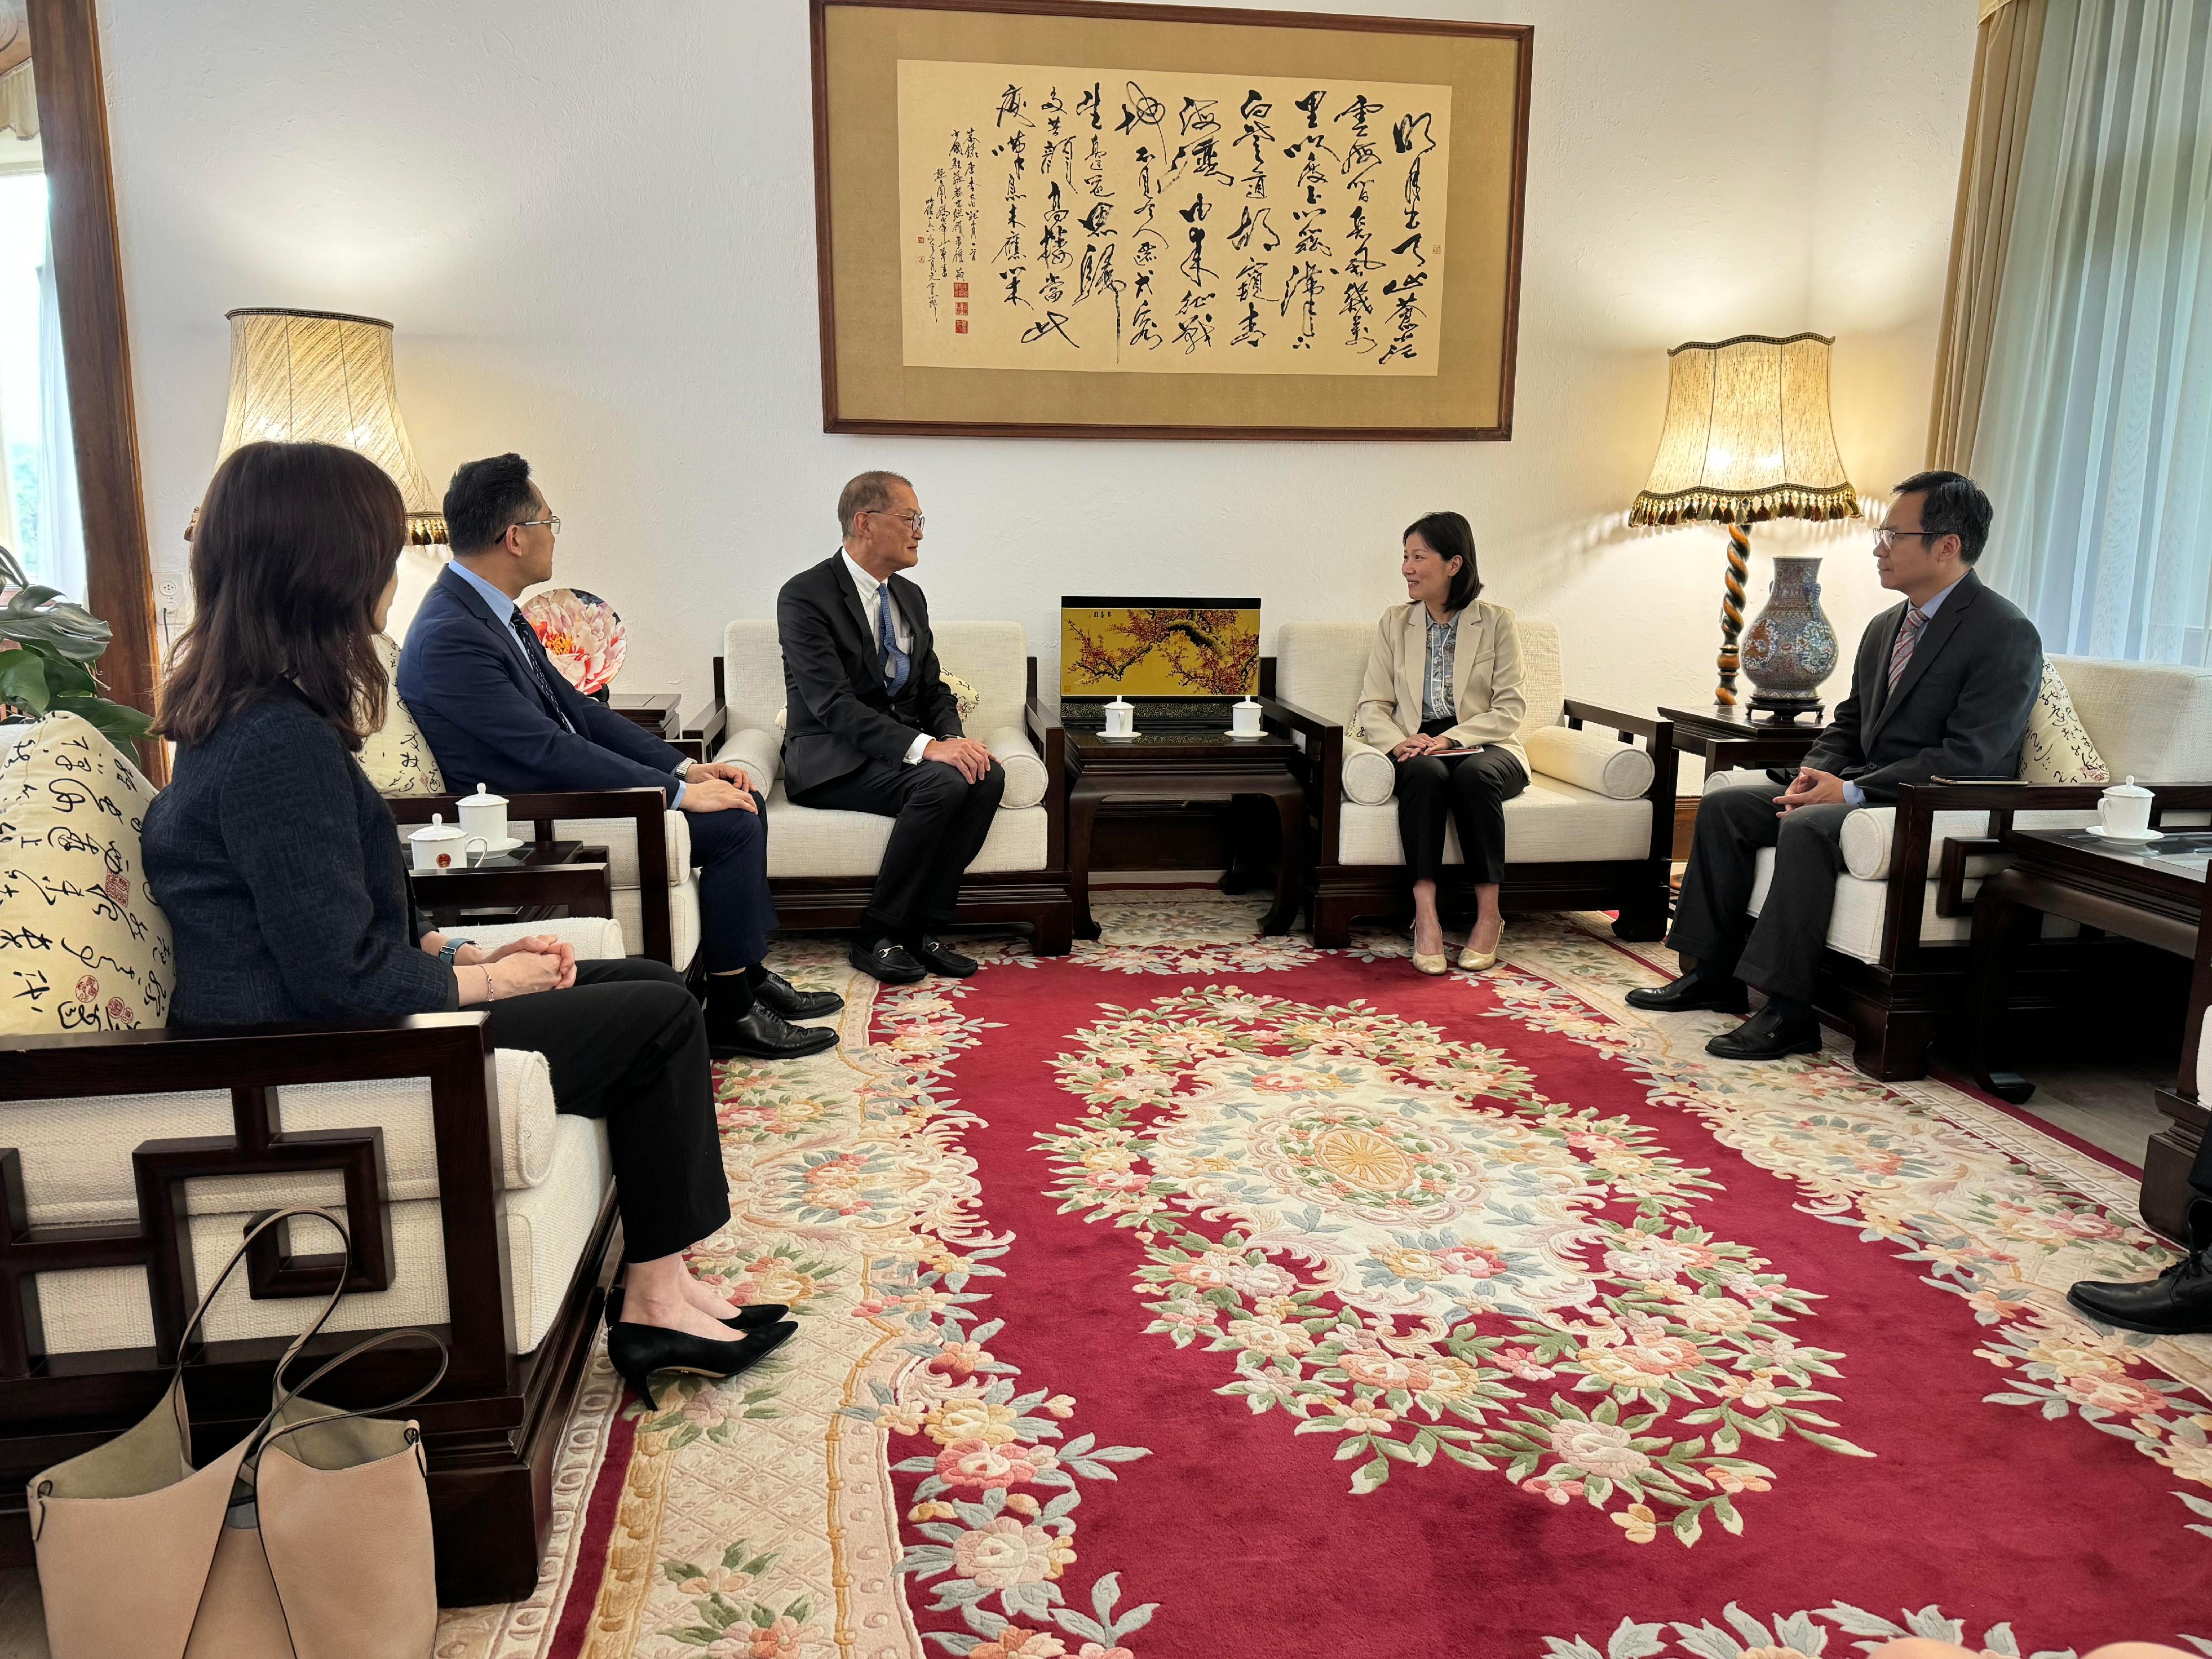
[
  {"x": 1591, "y": 831},
  {"x": 132, "y": 1156},
  {"x": 821, "y": 864},
  {"x": 1897, "y": 956}
]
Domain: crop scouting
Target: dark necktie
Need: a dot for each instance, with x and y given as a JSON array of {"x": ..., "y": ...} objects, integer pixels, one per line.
[
  {"x": 893, "y": 661},
  {"x": 1907, "y": 636},
  {"x": 527, "y": 636}
]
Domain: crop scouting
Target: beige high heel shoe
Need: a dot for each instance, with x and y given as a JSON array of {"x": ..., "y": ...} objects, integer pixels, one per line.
[
  {"x": 1475, "y": 961},
  {"x": 1439, "y": 963}
]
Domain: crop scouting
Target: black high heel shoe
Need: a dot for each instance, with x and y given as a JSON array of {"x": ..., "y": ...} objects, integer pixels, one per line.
[
  {"x": 639, "y": 1350},
  {"x": 753, "y": 1317}
]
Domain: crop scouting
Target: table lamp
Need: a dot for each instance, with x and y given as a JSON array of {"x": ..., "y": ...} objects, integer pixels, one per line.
[
  {"x": 324, "y": 377},
  {"x": 1747, "y": 437}
]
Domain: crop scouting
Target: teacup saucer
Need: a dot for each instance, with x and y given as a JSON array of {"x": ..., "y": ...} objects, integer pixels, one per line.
[
  {"x": 1245, "y": 736},
  {"x": 2135, "y": 836},
  {"x": 507, "y": 844}
]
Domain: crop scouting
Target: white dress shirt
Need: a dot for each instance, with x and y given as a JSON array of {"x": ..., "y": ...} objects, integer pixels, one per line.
[{"x": 872, "y": 599}]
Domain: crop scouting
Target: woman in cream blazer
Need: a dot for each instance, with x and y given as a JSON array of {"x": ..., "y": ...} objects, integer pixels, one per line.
[{"x": 1442, "y": 699}]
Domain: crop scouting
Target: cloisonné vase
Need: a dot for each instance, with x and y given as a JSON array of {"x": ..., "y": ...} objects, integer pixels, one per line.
[{"x": 1790, "y": 648}]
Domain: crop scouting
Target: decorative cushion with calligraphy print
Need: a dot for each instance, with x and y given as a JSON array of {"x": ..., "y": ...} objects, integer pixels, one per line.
[
  {"x": 2058, "y": 748},
  {"x": 396, "y": 759},
  {"x": 83, "y": 945}
]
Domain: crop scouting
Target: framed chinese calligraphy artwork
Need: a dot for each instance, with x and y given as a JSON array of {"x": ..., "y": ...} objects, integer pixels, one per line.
[{"x": 1068, "y": 218}]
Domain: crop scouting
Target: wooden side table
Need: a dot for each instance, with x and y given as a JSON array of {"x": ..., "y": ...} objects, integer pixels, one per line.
[
  {"x": 1726, "y": 741},
  {"x": 1170, "y": 764},
  {"x": 2156, "y": 894},
  {"x": 537, "y": 881}
]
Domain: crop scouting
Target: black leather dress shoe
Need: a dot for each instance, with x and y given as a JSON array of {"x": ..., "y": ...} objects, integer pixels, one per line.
[
  {"x": 1722, "y": 993},
  {"x": 761, "y": 1033},
  {"x": 2177, "y": 1302},
  {"x": 940, "y": 958},
  {"x": 787, "y": 999},
  {"x": 887, "y": 960},
  {"x": 1768, "y": 1035}
]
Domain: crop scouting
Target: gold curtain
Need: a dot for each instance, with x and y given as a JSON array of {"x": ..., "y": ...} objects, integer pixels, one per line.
[{"x": 2006, "y": 48}]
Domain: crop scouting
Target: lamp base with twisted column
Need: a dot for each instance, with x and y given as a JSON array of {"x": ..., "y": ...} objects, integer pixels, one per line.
[{"x": 1739, "y": 570}]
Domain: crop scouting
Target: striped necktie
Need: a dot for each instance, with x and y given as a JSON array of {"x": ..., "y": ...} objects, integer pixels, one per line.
[
  {"x": 1907, "y": 636},
  {"x": 527, "y": 637}
]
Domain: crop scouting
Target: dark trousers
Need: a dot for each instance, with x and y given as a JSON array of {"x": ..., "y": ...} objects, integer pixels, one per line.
[
  {"x": 1780, "y": 952},
  {"x": 730, "y": 849},
  {"x": 942, "y": 819},
  {"x": 627, "y": 1043},
  {"x": 1472, "y": 787}
]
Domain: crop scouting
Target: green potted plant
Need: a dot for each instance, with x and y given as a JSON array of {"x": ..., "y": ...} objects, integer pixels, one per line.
[{"x": 47, "y": 648}]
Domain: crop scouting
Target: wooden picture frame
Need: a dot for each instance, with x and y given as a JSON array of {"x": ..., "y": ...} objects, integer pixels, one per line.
[
  {"x": 864, "y": 51},
  {"x": 96, "y": 350}
]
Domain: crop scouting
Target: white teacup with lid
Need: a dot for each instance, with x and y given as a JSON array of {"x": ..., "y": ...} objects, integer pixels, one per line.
[
  {"x": 438, "y": 845},
  {"x": 1244, "y": 720},
  {"x": 2123, "y": 811},
  {"x": 485, "y": 814},
  {"x": 1120, "y": 719}
]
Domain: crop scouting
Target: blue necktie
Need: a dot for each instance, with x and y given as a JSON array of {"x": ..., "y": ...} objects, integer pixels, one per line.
[
  {"x": 526, "y": 636},
  {"x": 893, "y": 661}
]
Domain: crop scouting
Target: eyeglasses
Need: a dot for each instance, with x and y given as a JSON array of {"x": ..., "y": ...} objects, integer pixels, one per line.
[
  {"x": 552, "y": 521},
  {"x": 1885, "y": 538},
  {"x": 914, "y": 521}
]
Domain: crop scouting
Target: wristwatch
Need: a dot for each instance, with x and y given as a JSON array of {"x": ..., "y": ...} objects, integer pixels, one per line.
[{"x": 449, "y": 949}]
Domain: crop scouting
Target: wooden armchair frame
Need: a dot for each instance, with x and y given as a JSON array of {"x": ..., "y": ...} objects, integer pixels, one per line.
[
  {"x": 1896, "y": 1006},
  {"x": 644, "y": 806},
  {"x": 1340, "y": 893},
  {"x": 492, "y": 1427},
  {"x": 1039, "y": 899}
]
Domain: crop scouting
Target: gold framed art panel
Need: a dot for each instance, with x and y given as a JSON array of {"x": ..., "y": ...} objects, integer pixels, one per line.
[{"x": 869, "y": 384}]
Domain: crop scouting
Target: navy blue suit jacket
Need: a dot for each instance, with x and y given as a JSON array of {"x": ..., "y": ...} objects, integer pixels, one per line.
[{"x": 487, "y": 722}]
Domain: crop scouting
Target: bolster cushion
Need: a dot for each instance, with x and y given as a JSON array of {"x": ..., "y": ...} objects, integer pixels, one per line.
[
  {"x": 1369, "y": 776},
  {"x": 1590, "y": 760},
  {"x": 759, "y": 752},
  {"x": 1025, "y": 773}
]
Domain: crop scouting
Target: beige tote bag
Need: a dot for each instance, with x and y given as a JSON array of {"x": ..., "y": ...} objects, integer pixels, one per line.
[{"x": 309, "y": 1539}]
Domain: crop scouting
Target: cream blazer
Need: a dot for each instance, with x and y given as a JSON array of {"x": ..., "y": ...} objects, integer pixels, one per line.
[{"x": 1485, "y": 679}]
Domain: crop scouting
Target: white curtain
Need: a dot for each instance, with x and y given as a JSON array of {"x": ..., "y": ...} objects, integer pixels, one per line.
[
  {"x": 61, "y": 510},
  {"x": 2095, "y": 440}
]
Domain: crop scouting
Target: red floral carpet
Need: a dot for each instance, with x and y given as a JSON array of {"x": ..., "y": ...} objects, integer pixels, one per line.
[{"x": 1202, "y": 1297}]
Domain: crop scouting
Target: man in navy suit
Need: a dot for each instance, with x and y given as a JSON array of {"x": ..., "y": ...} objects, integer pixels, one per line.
[{"x": 495, "y": 710}]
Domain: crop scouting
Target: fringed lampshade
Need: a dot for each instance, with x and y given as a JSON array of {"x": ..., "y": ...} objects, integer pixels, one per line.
[
  {"x": 322, "y": 377},
  {"x": 1748, "y": 438}
]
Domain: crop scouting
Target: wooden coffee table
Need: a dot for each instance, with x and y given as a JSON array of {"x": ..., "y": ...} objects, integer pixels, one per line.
[{"x": 1180, "y": 764}]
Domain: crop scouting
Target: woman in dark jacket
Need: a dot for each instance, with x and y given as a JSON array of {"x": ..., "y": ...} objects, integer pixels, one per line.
[{"x": 280, "y": 870}]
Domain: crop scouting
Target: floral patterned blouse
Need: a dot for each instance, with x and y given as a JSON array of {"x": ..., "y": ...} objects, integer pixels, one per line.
[{"x": 1436, "y": 703}]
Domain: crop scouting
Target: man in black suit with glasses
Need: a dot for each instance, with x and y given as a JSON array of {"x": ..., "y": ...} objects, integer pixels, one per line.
[
  {"x": 1943, "y": 686},
  {"x": 870, "y": 727}
]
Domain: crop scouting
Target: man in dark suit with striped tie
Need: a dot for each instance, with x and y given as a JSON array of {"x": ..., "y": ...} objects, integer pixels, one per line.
[
  {"x": 869, "y": 726},
  {"x": 1942, "y": 687},
  {"x": 496, "y": 711}
]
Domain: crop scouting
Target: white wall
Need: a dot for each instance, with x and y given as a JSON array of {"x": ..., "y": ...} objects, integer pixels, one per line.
[{"x": 596, "y": 241}]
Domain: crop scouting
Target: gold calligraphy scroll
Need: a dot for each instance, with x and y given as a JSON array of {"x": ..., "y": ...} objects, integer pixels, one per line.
[
  {"x": 877, "y": 373},
  {"x": 1128, "y": 220}
]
